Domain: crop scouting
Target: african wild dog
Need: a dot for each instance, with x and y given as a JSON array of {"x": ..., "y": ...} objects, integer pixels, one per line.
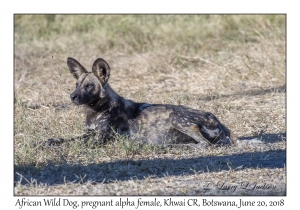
[{"x": 107, "y": 112}]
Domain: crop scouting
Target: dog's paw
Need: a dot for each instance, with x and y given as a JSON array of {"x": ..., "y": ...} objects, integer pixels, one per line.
[{"x": 54, "y": 142}]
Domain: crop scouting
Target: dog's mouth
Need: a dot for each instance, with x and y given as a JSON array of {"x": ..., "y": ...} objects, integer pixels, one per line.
[{"x": 76, "y": 102}]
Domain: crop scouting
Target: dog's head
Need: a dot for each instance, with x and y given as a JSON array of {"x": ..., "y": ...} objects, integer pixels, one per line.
[{"x": 90, "y": 86}]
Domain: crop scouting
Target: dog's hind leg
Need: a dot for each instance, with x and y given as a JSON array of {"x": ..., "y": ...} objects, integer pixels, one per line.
[
  {"x": 201, "y": 125},
  {"x": 189, "y": 128}
]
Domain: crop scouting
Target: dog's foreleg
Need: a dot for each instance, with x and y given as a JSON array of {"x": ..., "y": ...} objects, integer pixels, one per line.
[{"x": 57, "y": 142}]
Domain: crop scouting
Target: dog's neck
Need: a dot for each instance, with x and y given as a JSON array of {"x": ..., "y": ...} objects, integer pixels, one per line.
[{"x": 106, "y": 103}]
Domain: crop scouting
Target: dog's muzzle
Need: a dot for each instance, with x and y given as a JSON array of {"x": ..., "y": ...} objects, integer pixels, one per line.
[{"x": 75, "y": 98}]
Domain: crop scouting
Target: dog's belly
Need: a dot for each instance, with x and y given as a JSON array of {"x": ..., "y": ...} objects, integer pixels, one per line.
[{"x": 154, "y": 126}]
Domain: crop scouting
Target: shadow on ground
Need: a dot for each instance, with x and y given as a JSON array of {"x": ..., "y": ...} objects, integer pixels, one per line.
[
  {"x": 120, "y": 170},
  {"x": 266, "y": 138}
]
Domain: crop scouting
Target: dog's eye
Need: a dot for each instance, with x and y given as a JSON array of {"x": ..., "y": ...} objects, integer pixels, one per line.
[{"x": 89, "y": 85}]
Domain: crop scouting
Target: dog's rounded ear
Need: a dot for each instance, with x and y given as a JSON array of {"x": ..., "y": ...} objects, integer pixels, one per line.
[
  {"x": 101, "y": 70},
  {"x": 75, "y": 68}
]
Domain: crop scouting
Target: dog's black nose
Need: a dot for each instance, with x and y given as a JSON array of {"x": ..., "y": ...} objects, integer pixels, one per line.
[{"x": 74, "y": 96}]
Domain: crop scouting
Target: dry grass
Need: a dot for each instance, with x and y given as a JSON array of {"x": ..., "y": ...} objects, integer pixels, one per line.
[{"x": 232, "y": 66}]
